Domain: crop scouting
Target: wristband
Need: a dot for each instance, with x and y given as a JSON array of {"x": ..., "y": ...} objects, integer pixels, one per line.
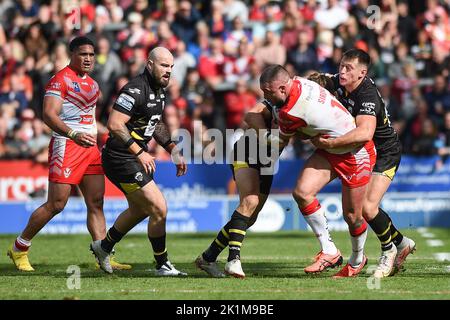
[
  {"x": 139, "y": 152},
  {"x": 72, "y": 134},
  {"x": 129, "y": 142},
  {"x": 166, "y": 144}
]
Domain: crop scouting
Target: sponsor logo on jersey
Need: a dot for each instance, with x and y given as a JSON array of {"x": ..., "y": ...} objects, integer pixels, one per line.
[
  {"x": 134, "y": 90},
  {"x": 350, "y": 101},
  {"x": 55, "y": 86},
  {"x": 151, "y": 105},
  {"x": 67, "y": 172},
  {"x": 139, "y": 176},
  {"x": 125, "y": 101},
  {"x": 368, "y": 107},
  {"x": 151, "y": 96},
  {"x": 162, "y": 96},
  {"x": 76, "y": 87}
]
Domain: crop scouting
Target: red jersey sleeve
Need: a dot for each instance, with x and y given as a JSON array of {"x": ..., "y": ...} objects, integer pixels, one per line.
[{"x": 56, "y": 87}]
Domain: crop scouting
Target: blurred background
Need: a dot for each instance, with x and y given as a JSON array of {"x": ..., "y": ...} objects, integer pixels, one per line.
[{"x": 220, "y": 48}]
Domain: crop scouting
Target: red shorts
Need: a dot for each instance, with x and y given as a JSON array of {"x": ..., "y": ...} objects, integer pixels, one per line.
[
  {"x": 69, "y": 162},
  {"x": 353, "y": 168}
]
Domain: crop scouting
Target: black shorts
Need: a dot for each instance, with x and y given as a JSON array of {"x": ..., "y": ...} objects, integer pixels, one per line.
[
  {"x": 265, "y": 180},
  {"x": 127, "y": 175},
  {"x": 388, "y": 162}
]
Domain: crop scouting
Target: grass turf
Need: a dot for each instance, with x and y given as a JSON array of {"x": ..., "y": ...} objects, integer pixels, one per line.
[{"x": 273, "y": 263}]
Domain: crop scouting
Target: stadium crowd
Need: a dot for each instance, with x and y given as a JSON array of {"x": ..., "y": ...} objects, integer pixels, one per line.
[{"x": 220, "y": 48}]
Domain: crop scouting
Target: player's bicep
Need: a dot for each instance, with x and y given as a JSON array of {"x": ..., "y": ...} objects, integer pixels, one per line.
[
  {"x": 367, "y": 125},
  {"x": 52, "y": 107},
  {"x": 256, "y": 117},
  {"x": 117, "y": 120}
]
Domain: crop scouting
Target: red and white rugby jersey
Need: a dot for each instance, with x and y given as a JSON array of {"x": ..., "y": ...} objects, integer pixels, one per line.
[
  {"x": 79, "y": 95},
  {"x": 313, "y": 110}
]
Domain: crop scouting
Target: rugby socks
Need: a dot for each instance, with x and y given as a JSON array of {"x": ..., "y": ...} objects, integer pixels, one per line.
[
  {"x": 217, "y": 246},
  {"x": 381, "y": 225},
  {"x": 21, "y": 245},
  {"x": 358, "y": 239},
  {"x": 396, "y": 236},
  {"x": 112, "y": 237},
  {"x": 237, "y": 230},
  {"x": 159, "y": 250},
  {"x": 314, "y": 215}
]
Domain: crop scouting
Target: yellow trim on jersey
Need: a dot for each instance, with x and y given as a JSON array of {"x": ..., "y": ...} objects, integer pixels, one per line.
[
  {"x": 237, "y": 231},
  {"x": 388, "y": 228},
  {"x": 219, "y": 243},
  {"x": 235, "y": 243},
  {"x": 129, "y": 187},
  {"x": 395, "y": 234},
  {"x": 136, "y": 136},
  {"x": 160, "y": 253},
  {"x": 390, "y": 173},
  {"x": 239, "y": 165},
  {"x": 225, "y": 234}
]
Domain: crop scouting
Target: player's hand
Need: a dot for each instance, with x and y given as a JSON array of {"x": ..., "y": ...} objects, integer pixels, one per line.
[
  {"x": 178, "y": 159},
  {"x": 322, "y": 142},
  {"x": 85, "y": 139},
  {"x": 147, "y": 161}
]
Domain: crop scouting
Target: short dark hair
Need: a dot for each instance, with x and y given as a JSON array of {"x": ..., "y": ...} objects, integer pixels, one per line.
[
  {"x": 80, "y": 41},
  {"x": 362, "y": 56},
  {"x": 273, "y": 72}
]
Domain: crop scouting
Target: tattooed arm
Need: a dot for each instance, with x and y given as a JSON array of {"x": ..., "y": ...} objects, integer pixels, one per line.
[
  {"x": 163, "y": 137},
  {"x": 117, "y": 126}
]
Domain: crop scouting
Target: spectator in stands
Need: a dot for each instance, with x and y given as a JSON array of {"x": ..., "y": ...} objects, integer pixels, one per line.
[
  {"x": 304, "y": 57},
  {"x": 185, "y": 21},
  {"x": 167, "y": 12},
  {"x": 235, "y": 8},
  {"x": 182, "y": 62},
  {"x": 210, "y": 65},
  {"x": 332, "y": 16},
  {"x": 217, "y": 22},
  {"x": 438, "y": 98},
  {"x": 237, "y": 67},
  {"x": 426, "y": 142},
  {"x": 237, "y": 103},
  {"x": 233, "y": 36},
  {"x": 15, "y": 98},
  {"x": 196, "y": 93},
  {"x": 422, "y": 52},
  {"x": 272, "y": 52}
]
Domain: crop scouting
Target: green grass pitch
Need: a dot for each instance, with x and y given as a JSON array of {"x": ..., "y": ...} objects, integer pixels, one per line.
[{"x": 273, "y": 263}]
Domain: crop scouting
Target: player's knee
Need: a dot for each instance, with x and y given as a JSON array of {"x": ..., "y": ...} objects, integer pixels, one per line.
[
  {"x": 95, "y": 204},
  {"x": 370, "y": 210},
  {"x": 353, "y": 219},
  {"x": 250, "y": 202},
  {"x": 157, "y": 211},
  {"x": 55, "y": 207},
  {"x": 302, "y": 196}
]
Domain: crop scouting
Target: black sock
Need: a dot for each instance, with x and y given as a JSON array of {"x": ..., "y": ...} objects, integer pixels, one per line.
[
  {"x": 217, "y": 246},
  {"x": 381, "y": 225},
  {"x": 396, "y": 235},
  {"x": 237, "y": 230},
  {"x": 159, "y": 250},
  {"x": 112, "y": 237}
]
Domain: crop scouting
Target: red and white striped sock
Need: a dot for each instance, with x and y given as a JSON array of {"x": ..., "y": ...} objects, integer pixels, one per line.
[
  {"x": 358, "y": 238},
  {"x": 314, "y": 215},
  {"x": 21, "y": 245}
]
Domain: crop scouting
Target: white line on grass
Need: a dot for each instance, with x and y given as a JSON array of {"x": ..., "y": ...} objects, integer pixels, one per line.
[
  {"x": 428, "y": 235},
  {"x": 442, "y": 256},
  {"x": 435, "y": 243}
]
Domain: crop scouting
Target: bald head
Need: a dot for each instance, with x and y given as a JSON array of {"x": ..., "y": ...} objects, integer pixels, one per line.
[
  {"x": 160, "y": 64},
  {"x": 276, "y": 84}
]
